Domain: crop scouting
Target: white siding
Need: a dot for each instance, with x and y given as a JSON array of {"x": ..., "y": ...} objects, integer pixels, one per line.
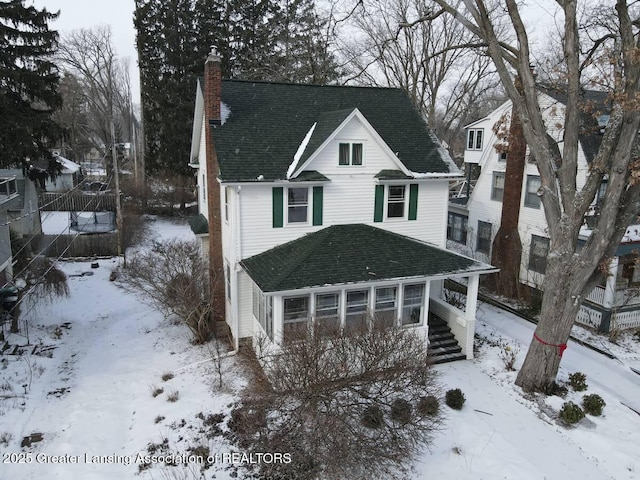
[{"x": 532, "y": 220}]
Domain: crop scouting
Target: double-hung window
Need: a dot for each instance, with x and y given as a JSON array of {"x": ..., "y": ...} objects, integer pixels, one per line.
[
  {"x": 327, "y": 312},
  {"x": 386, "y": 306},
  {"x": 538, "y": 253},
  {"x": 497, "y": 186},
  {"x": 297, "y": 205},
  {"x": 350, "y": 154},
  {"x": 396, "y": 201},
  {"x": 412, "y": 304},
  {"x": 484, "y": 237},
  {"x": 457, "y": 228},
  {"x": 357, "y": 308},
  {"x": 296, "y": 317},
  {"x": 474, "y": 138},
  {"x": 531, "y": 198}
]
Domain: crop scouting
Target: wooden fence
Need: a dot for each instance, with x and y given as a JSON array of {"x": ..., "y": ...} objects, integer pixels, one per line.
[
  {"x": 69, "y": 246},
  {"x": 77, "y": 202}
]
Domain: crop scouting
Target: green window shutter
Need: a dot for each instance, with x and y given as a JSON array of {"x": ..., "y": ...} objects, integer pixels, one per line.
[
  {"x": 378, "y": 209},
  {"x": 413, "y": 201},
  {"x": 278, "y": 210},
  {"x": 317, "y": 205}
]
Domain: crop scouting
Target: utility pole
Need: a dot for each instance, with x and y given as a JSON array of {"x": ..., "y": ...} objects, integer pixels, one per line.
[{"x": 114, "y": 155}]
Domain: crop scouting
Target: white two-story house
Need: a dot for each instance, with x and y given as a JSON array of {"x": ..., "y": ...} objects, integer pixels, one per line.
[
  {"x": 324, "y": 206},
  {"x": 474, "y": 221}
]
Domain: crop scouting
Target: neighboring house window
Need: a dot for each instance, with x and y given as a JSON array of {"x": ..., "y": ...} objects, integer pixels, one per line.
[
  {"x": 395, "y": 201},
  {"x": 457, "y": 228},
  {"x": 538, "y": 254},
  {"x": 297, "y": 205},
  {"x": 531, "y": 198},
  {"x": 263, "y": 310},
  {"x": 226, "y": 203},
  {"x": 474, "y": 138},
  {"x": 386, "y": 307},
  {"x": 296, "y": 317},
  {"x": 328, "y": 312},
  {"x": 357, "y": 307},
  {"x": 350, "y": 154},
  {"x": 602, "y": 190},
  {"x": 497, "y": 186},
  {"x": 412, "y": 304},
  {"x": 502, "y": 156},
  {"x": 228, "y": 280},
  {"x": 484, "y": 237}
]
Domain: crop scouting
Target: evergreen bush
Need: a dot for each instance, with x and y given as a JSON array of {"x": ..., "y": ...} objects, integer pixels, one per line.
[
  {"x": 454, "y": 398},
  {"x": 571, "y": 413},
  {"x": 593, "y": 404},
  {"x": 578, "y": 381}
]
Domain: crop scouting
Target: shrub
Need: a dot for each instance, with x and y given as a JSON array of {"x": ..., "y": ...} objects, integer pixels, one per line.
[
  {"x": 454, "y": 398},
  {"x": 173, "y": 396},
  {"x": 401, "y": 411},
  {"x": 508, "y": 355},
  {"x": 155, "y": 391},
  {"x": 571, "y": 413},
  {"x": 593, "y": 404},
  {"x": 372, "y": 417},
  {"x": 578, "y": 381},
  {"x": 428, "y": 406},
  {"x": 167, "y": 376}
]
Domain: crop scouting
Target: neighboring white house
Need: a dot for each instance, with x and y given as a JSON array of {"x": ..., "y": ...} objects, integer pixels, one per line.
[
  {"x": 473, "y": 222},
  {"x": 323, "y": 205},
  {"x": 69, "y": 176}
]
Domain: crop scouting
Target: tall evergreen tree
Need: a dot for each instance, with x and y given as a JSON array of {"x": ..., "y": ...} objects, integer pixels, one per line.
[
  {"x": 28, "y": 82},
  {"x": 273, "y": 40}
]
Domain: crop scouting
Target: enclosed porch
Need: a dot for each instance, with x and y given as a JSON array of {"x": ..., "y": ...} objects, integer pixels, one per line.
[{"x": 322, "y": 283}]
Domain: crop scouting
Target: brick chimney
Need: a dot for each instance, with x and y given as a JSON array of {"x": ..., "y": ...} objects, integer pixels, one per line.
[{"x": 212, "y": 94}]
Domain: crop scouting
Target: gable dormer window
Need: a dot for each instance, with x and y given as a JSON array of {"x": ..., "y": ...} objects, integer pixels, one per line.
[
  {"x": 350, "y": 154},
  {"x": 474, "y": 138}
]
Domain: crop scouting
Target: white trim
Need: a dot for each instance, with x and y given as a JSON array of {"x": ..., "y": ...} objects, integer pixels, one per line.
[{"x": 369, "y": 128}]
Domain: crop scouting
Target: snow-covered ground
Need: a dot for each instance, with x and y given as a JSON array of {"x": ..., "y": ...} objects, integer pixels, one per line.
[{"x": 102, "y": 354}]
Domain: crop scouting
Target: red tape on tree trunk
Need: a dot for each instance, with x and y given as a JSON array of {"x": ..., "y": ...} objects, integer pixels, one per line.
[{"x": 561, "y": 347}]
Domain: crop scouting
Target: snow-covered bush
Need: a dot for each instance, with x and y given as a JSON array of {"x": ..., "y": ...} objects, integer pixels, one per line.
[
  {"x": 593, "y": 404},
  {"x": 578, "y": 381},
  {"x": 454, "y": 398},
  {"x": 571, "y": 413}
]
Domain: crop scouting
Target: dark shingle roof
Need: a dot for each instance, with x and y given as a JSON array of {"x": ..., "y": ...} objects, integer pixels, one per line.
[
  {"x": 268, "y": 122},
  {"x": 593, "y": 104},
  {"x": 343, "y": 254},
  {"x": 199, "y": 224}
]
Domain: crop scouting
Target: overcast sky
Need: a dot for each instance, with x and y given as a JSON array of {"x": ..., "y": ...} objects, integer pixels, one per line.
[{"x": 75, "y": 14}]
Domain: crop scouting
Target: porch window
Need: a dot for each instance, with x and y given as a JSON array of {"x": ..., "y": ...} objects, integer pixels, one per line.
[
  {"x": 484, "y": 237},
  {"x": 357, "y": 307},
  {"x": 531, "y": 198},
  {"x": 226, "y": 203},
  {"x": 386, "y": 306},
  {"x": 412, "y": 304},
  {"x": 263, "y": 311},
  {"x": 297, "y": 205},
  {"x": 538, "y": 254},
  {"x": 457, "y": 228},
  {"x": 497, "y": 186},
  {"x": 395, "y": 201},
  {"x": 228, "y": 280},
  {"x": 328, "y": 312},
  {"x": 296, "y": 317}
]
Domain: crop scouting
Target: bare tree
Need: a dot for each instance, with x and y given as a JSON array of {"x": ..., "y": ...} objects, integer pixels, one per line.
[
  {"x": 434, "y": 62},
  {"x": 89, "y": 55},
  {"x": 368, "y": 394},
  {"x": 570, "y": 272},
  {"x": 173, "y": 277}
]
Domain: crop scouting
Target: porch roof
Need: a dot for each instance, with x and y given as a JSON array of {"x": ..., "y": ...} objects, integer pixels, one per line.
[{"x": 345, "y": 254}]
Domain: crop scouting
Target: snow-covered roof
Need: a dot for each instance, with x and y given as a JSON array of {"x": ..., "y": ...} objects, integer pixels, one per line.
[{"x": 67, "y": 165}]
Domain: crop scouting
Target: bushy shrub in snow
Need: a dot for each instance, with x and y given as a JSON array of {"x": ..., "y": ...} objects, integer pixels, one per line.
[
  {"x": 571, "y": 413},
  {"x": 428, "y": 406},
  {"x": 454, "y": 398},
  {"x": 593, "y": 404},
  {"x": 578, "y": 381}
]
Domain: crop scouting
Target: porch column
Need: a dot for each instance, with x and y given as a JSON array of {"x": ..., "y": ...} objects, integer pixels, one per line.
[
  {"x": 470, "y": 312},
  {"x": 610, "y": 286},
  {"x": 472, "y": 297}
]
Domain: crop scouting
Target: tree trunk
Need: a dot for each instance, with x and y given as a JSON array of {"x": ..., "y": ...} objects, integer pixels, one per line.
[
  {"x": 506, "y": 252},
  {"x": 559, "y": 309}
]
